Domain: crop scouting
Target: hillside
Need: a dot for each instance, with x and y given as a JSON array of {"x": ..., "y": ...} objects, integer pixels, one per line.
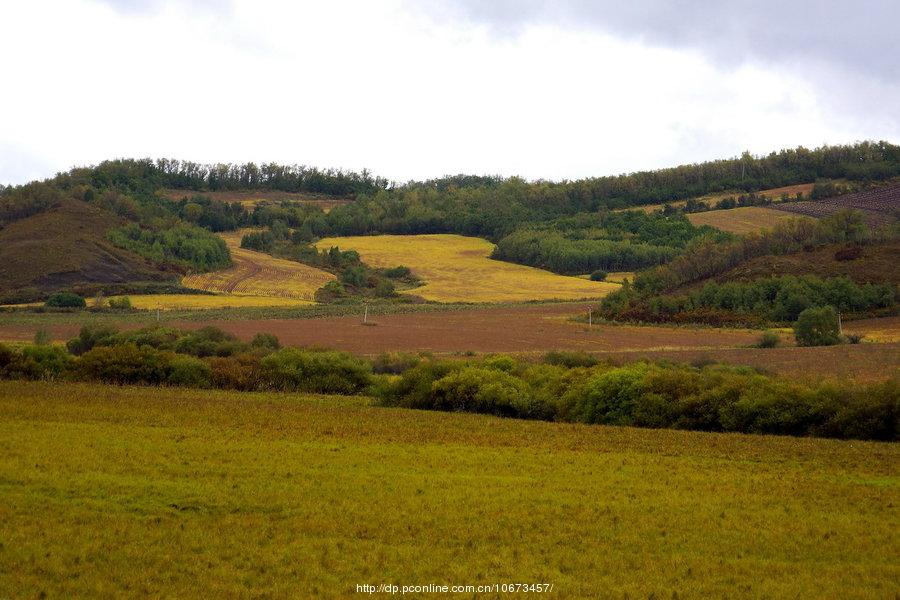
[
  {"x": 876, "y": 263},
  {"x": 266, "y": 494},
  {"x": 65, "y": 246},
  {"x": 879, "y": 206}
]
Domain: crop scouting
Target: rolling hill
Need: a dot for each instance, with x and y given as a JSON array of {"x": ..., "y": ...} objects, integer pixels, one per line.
[{"x": 65, "y": 246}]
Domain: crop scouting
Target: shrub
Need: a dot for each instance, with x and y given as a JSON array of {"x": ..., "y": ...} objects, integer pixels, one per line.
[
  {"x": 817, "y": 327},
  {"x": 65, "y": 300},
  {"x": 599, "y": 275},
  {"x": 501, "y": 362},
  {"x": 207, "y": 341},
  {"x": 240, "y": 372},
  {"x": 331, "y": 291},
  {"x": 123, "y": 303},
  {"x": 394, "y": 363},
  {"x": 42, "y": 337},
  {"x": 854, "y": 338},
  {"x": 91, "y": 335},
  {"x": 327, "y": 372},
  {"x": 385, "y": 289},
  {"x": 768, "y": 339},
  {"x": 189, "y": 371},
  {"x": 398, "y": 272},
  {"x": 265, "y": 341},
  {"x": 475, "y": 389},
  {"x": 125, "y": 364},
  {"x": 610, "y": 397},
  {"x": 849, "y": 252},
  {"x": 570, "y": 359},
  {"x": 39, "y": 362},
  {"x": 354, "y": 276}
]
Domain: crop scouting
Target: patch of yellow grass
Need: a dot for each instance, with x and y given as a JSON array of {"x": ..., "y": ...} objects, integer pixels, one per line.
[
  {"x": 456, "y": 268},
  {"x": 745, "y": 219},
  {"x": 709, "y": 199},
  {"x": 258, "y": 274},
  {"x": 614, "y": 277},
  {"x": 203, "y": 301}
]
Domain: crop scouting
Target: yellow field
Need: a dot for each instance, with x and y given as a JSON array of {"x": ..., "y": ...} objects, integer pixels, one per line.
[
  {"x": 614, "y": 276},
  {"x": 745, "y": 219},
  {"x": 456, "y": 268},
  {"x": 202, "y": 301},
  {"x": 258, "y": 274}
]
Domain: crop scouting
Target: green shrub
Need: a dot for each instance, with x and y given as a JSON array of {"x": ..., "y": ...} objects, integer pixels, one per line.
[
  {"x": 38, "y": 362},
  {"x": 125, "y": 364},
  {"x": 610, "y": 397},
  {"x": 599, "y": 275},
  {"x": 769, "y": 339},
  {"x": 413, "y": 388},
  {"x": 42, "y": 337},
  {"x": 207, "y": 341},
  {"x": 189, "y": 371},
  {"x": 398, "y": 272},
  {"x": 265, "y": 342},
  {"x": 385, "y": 289},
  {"x": 501, "y": 362},
  {"x": 65, "y": 300},
  {"x": 123, "y": 303},
  {"x": 395, "y": 363},
  {"x": 570, "y": 359},
  {"x": 319, "y": 371},
  {"x": 91, "y": 335},
  {"x": 817, "y": 327},
  {"x": 491, "y": 391}
]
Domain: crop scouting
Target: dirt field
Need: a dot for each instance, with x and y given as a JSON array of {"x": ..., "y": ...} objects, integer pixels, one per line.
[
  {"x": 744, "y": 219},
  {"x": 258, "y": 274},
  {"x": 879, "y": 206},
  {"x": 535, "y": 329},
  {"x": 456, "y": 268}
]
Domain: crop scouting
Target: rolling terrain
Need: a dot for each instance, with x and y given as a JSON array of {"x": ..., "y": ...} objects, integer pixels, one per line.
[
  {"x": 743, "y": 219},
  {"x": 109, "y": 490},
  {"x": 260, "y": 275},
  {"x": 65, "y": 246},
  {"x": 456, "y": 268}
]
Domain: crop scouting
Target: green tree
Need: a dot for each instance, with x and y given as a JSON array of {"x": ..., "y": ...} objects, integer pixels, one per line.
[{"x": 817, "y": 327}]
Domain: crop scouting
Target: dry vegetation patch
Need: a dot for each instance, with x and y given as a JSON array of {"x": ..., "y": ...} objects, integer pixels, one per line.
[{"x": 744, "y": 219}]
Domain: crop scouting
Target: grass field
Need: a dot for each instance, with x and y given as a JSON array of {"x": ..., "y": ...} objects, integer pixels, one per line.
[
  {"x": 456, "y": 268},
  {"x": 259, "y": 274},
  {"x": 171, "y": 493},
  {"x": 744, "y": 219}
]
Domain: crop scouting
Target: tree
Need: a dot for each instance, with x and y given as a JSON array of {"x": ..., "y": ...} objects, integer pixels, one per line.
[{"x": 817, "y": 327}]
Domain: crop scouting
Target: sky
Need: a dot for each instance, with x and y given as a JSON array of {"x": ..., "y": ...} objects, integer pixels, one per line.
[{"x": 416, "y": 89}]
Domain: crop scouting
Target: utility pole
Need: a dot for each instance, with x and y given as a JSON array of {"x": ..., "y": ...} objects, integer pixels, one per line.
[
  {"x": 840, "y": 325},
  {"x": 590, "y": 316},
  {"x": 366, "y": 315}
]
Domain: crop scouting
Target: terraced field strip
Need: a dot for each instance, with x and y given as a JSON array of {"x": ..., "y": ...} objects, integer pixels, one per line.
[
  {"x": 206, "y": 301},
  {"x": 456, "y": 268},
  {"x": 258, "y": 274},
  {"x": 249, "y": 199},
  {"x": 880, "y": 206},
  {"x": 741, "y": 220},
  {"x": 775, "y": 194}
]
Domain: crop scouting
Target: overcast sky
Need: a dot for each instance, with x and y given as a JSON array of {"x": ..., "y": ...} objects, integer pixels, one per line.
[{"x": 413, "y": 89}]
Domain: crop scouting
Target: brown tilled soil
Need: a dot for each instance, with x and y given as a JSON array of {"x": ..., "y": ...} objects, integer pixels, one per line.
[{"x": 535, "y": 329}]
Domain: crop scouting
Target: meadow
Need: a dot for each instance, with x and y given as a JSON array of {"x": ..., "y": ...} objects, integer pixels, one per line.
[
  {"x": 741, "y": 220},
  {"x": 259, "y": 274},
  {"x": 456, "y": 268},
  {"x": 166, "y": 492}
]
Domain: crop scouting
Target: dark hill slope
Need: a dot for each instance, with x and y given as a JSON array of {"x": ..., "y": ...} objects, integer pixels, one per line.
[
  {"x": 64, "y": 246},
  {"x": 876, "y": 263}
]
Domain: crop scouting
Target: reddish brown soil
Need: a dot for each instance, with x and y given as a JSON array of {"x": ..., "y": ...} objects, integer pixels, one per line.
[{"x": 537, "y": 329}]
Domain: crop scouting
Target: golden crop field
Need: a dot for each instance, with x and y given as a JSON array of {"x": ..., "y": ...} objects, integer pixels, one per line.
[
  {"x": 456, "y": 268},
  {"x": 259, "y": 274},
  {"x": 744, "y": 219},
  {"x": 203, "y": 301},
  {"x": 154, "y": 492}
]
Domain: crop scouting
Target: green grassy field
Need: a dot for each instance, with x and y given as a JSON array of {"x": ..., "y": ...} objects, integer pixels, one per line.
[{"x": 109, "y": 491}]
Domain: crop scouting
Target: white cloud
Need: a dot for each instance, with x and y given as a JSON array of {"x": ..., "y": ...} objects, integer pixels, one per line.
[{"x": 356, "y": 83}]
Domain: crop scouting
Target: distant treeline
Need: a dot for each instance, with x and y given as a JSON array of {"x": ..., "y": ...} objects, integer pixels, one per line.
[{"x": 564, "y": 386}]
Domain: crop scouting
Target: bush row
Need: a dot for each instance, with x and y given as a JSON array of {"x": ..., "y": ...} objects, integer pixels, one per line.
[{"x": 708, "y": 398}]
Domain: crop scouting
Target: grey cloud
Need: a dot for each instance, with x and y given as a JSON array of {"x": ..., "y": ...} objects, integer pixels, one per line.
[{"x": 857, "y": 36}]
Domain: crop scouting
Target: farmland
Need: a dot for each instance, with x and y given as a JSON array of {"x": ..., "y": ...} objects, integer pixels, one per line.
[
  {"x": 258, "y": 274},
  {"x": 774, "y": 193},
  {"x": 456, "y": 268},
  {"x": 319, "y": 494},
  {"x": 249, "y": 199},
  {"x": 879, "y": 205},
  {"x": 207, "y": 301},
  {"x": 744, "y": 219}
]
